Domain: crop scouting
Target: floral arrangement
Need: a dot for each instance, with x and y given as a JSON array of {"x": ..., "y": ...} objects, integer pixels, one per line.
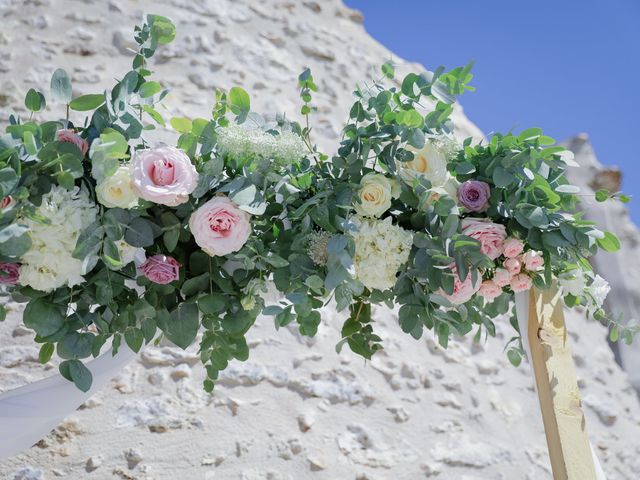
[{"x": 109, "y": 238}]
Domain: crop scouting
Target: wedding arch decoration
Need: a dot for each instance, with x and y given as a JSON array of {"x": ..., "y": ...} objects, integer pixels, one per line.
[{"x": 110, "y": 239}]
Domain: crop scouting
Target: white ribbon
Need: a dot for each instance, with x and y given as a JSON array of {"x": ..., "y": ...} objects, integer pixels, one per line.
[
  {"x": 29, "y": 413},
  {"x": 522, "y": 314}
]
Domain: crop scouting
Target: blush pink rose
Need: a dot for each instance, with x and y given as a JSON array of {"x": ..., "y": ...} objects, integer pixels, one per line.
[
  {"x": 489, "y": 290},
  {"x": 532, "y": 260},
  {"x": 490, "y": 235},
  {"x": 513, "y": 247},
  {"x": 220, "y": 227},
  {"x": 9, "y": 273},
  {"x": 521, "y": 283},
  {"x": 161, "y": 269},
  {"x": 463, "y": 291},
  {"x": 513, "y": 266},
  {"x": 163, "y": 175},
  {"x": 68, "y": 135},
  {"x": 502, "y": 277}
]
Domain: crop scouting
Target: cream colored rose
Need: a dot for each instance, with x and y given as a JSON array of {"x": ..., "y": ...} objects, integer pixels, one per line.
[
  {"x": 427, "y": 162},
  {"x": 375, "y": 194},
  {"x": 116, "y": 191}
]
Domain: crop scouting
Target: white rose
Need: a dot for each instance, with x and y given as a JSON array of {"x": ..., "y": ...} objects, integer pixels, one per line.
[
  {"x": 375, "y": 194},
  {"x": 117, "y": 191},
  {"x": 428, "y": 162}
]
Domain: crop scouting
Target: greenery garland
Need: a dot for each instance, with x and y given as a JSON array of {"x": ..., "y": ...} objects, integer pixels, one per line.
[{"x": 107, "y": 238}]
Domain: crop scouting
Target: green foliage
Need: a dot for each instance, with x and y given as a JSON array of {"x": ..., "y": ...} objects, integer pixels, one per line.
[{"x": 301, "y": 207}]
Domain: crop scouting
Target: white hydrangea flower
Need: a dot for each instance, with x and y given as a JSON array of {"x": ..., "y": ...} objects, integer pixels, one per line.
[
  {"x": 48, "y": 264},
  {"x": 381, "y": 249},
  {"x": 241, "y": 142},
  {"x": 598, "y": 290}
]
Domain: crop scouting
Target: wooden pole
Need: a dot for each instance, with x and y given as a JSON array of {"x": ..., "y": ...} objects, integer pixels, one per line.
[{"x": 564, "y": 422}]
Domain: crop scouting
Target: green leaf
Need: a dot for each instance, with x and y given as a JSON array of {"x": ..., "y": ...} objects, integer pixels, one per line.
[
  {"x": 34, "y": 100},
  {"x": 78, "y": 373},
  {"x": 387, "y": 69},
  {"x": 61, "y": 86},
  {"x": 514, "y": 357},
  {"x": 139, "y": 233},
  {"x": 8, "y": 180},
  {"x": 163, "y": 30},
  {"x": 602, "y": 195},
  {"x": 502, "y": 178},
  {"x": 196, "y": 285},
  {"x": 183, "y": 326},
  {"x": 44, "y": 317},
  {"x": 46, "y": 352},
  {"x": 154, "y": 114},
  {"x": 212, "y": 304},
  {"x": 181, "y": 124},
  {"x": 149, "y": 89},
  {"x": 134, "y": 338},
  {"x": 87, "y": 102},
  {"x": 239, "y": 101},
  {"x": 14, "y": 241},
  {"x": 609, "y": 242}
]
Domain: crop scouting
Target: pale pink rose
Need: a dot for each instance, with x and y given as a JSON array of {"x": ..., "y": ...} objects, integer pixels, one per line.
[
  {"x": 512, "y": 247},
  {"x": 220, "y": 227},
  {"x": 163, "y": 175},
  {"x": 463, "y": 291},
  {"x": 489, "y": 290},
  {"x": 68, "y": 135},
  {"x": 532, "y": 260},
  {"x": 490, "y": 235},
  {"x": 161, "y": 269},
  {"x": 9, "y": 273},
  {"x": 513, "y": 266},
  {"x": 502, "y": 277},
  {"x": 521, "y": 283}
]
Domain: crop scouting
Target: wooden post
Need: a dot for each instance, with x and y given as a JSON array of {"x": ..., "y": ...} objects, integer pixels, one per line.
[{"x": 564, "y": 422}]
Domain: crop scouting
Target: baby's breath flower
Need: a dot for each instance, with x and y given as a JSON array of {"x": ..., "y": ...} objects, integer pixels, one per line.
[
  {"x": 317, "y": 250},
  {"x": 243, "y": 143}
]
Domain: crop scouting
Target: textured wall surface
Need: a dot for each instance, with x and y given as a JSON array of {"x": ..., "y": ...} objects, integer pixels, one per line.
[{"x": 296, "y": 409}]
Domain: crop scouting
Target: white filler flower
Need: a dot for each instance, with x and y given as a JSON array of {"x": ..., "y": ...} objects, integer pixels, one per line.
[
  {"x": 48, "y": 264},
  {"x": 381, "y": 249},
  {"x": 244, "y": 143}
]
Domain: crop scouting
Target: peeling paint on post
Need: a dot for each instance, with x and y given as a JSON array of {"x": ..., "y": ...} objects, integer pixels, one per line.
[{"x": 564, "y": 421}]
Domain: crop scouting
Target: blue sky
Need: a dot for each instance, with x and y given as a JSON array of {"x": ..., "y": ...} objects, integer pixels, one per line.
[{"x": 567, "y": 66}]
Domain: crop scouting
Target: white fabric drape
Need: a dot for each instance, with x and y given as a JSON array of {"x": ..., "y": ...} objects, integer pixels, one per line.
[
  {"x": 29, "y": 413},
  {"x": 522, "y": 313}
]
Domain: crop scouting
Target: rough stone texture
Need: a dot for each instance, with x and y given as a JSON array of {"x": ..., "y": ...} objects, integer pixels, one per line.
[{"x": 296, "y": 410}]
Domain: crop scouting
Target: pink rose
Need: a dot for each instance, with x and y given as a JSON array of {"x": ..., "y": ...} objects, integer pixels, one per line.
[
  {"x": 489, "y": 290},
  {"x": 6, "y": 202},
  {"x": 220, "y": 227},
  {"x": 163, "y": 175},
  {"x": 161, "y": 269},
  {"x": 512, "y": 247},
  {"x": 474, "y": 195},
  {"x": 9, "y": 273},
  {"x": 521, "y": 283},
  {"x": 68, "y": 135},
  {"x": 532, "y": 260},
  {"x": 502, "y": 277},
  {"x": 513, "y": 266},
  {"x": 462, "y": 290},
  {"x": 490, "y": 235}
]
